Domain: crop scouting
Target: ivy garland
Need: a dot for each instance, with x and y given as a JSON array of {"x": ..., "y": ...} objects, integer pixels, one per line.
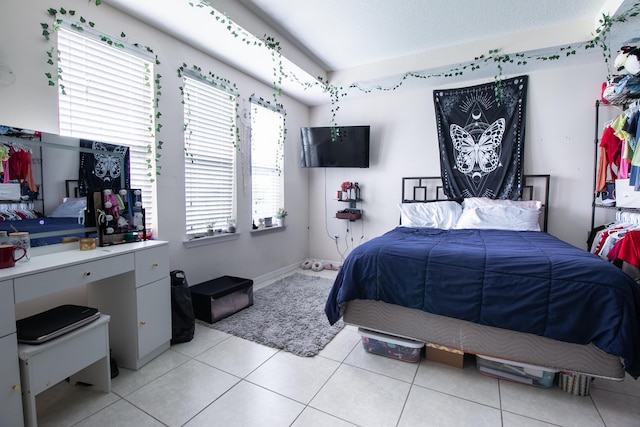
[
  {"x": 604, "y": 29},
  {"x": 267, "y": 42},
  {"x": 54, "y": 53},
  {"x": 222, "y": 83},
  {"x": 336, "y": 92}
]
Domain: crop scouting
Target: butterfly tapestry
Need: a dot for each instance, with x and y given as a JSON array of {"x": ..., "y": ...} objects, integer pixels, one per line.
[
  {"x": 103, "y": 166},
  {"x": 481, "y": 139}
]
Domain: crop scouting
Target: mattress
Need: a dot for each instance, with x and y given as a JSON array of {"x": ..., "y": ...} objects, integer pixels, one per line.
[{"x": 480, "y": 339}]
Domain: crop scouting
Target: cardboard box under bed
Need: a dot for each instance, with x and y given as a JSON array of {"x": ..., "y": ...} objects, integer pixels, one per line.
[{"x": 221, "y": 297}]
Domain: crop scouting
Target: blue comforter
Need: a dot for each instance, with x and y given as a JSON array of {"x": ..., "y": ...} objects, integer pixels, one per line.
[
  {"x": 44, "y": 225},
  {"x": 524, "y": 281}
]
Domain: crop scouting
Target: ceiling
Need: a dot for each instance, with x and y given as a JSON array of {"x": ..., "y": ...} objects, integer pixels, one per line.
[
  {"x": 344, "y": 34},
  {"x": 375, "y": 42}
]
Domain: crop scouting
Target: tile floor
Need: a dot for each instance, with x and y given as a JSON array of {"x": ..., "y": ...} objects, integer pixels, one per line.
[{"x": 220, "y": 380}]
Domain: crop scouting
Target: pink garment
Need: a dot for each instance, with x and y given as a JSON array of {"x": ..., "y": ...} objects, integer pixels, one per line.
[{"x": 625, "y": 167}]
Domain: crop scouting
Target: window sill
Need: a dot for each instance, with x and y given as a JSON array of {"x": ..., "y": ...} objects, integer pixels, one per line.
[
  {"x": 210, "y": 240},
  {"x": 268, "y": 229}
]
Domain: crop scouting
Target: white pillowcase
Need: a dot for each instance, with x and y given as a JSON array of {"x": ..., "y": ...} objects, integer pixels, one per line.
[
  {"x": 442, "y": 214},
  {"x": 70, "y": 208},
  {"x": 500, "y": 218},
  {"x": 478, "y": 202}
]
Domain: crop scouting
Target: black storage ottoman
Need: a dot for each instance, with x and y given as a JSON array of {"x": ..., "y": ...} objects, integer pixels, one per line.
[{"x": 218, "y": 298}]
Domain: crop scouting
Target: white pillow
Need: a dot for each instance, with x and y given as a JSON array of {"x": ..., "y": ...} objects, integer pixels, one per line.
[
  {"x": 70, "y": 208},
  {"x": 442, "y": 214},
  {"x": 478, "y": 202},
  {"x": 500, "y": 218}
]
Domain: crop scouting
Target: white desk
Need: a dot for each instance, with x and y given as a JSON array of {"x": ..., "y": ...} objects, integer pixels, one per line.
[{"x": 129, "y": 282}]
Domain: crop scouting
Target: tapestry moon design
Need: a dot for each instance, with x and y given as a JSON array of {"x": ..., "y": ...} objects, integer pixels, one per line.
[{"x": 481, "y": 138}]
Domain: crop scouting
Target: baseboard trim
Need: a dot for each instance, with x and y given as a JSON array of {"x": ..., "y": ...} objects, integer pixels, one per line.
[{"x": 259, "y": 281}]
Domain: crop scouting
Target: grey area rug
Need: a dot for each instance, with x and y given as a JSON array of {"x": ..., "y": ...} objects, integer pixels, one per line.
[{"x": 287, "y": 314}]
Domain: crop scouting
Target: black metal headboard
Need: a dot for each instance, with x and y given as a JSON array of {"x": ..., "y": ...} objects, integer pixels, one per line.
[
  {"x": 426, "y": 188},
  {"x": 71, "y": 187}
]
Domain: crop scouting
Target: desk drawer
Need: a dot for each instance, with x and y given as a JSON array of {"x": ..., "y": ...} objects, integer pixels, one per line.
[
  {"x": 7, "y": 311},
  {"x": 35, "y": 285},
  {"x": 151, "y": 265}
]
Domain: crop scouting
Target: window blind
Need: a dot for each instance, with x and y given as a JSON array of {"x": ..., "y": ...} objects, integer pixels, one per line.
[
  {"x": 267, "y": 177},
  {"x": 209, "y": 154},
  {"x": 109, "y": 97}
]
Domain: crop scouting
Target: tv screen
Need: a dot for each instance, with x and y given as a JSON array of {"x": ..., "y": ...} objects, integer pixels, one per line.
[{"x": 348, "y": 149}]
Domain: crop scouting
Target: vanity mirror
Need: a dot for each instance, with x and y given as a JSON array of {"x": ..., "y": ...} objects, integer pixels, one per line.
[{"x": 44, "y": 181}]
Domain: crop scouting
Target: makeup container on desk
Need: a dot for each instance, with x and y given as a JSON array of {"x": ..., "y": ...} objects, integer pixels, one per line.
[{"x": 21, "y": 239}]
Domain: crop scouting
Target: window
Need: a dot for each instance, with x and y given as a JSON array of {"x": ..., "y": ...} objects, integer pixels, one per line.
[
  {"x": 267, "y": 179},
  {"x": 107, "y": 95},
  {"x": 209, "y": 153}
]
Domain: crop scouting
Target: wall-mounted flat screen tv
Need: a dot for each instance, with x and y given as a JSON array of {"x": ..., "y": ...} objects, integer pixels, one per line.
[{"x": 348, "y": 149}]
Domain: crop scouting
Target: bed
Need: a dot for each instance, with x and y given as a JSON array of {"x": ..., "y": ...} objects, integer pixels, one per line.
[
  {"x": 515, "y": 293},
  {"x": 66, "y": 220}
]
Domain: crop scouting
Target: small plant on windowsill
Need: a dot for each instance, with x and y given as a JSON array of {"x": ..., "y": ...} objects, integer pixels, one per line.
[
  {"x": 280, "y": 215},
  {"x": 210, "y": 228}
]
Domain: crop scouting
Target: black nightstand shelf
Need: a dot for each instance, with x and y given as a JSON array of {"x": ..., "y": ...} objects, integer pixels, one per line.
[{"x": 351, "y": 213}]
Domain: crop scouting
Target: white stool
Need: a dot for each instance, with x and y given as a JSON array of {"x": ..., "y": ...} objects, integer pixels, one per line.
[{"x": 82, "y": 355}]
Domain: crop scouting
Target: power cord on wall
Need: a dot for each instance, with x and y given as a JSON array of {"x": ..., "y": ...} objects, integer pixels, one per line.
[{"x": 326, "y": 214}]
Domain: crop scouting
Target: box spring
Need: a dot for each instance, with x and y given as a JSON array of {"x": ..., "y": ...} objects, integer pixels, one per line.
[{"x": 478, "y": 339}]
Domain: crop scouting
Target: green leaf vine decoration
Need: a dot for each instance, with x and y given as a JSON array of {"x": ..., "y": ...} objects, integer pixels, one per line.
[
  {"x": 53, "y": 58},
  {"x": 601, "y": 38},
  {"x": 266, "y": 41},
  {"x": 278, "y": 68},
  {"x": 222, "y": 83},
  {"x": 338, "y": 92}
]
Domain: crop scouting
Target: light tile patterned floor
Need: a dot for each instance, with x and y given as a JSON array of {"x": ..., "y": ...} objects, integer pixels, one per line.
[{"x": 221, "y": 380}]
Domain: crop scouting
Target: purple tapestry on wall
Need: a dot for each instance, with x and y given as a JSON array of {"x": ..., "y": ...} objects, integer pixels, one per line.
[{"x": 481, "y": 138}]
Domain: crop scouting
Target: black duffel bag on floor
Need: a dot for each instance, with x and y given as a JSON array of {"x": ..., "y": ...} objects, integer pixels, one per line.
[{"x": 183, "y": 321}]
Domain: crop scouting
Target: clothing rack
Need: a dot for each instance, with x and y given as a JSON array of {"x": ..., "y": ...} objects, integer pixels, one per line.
[{"x": 620, "y": 108}]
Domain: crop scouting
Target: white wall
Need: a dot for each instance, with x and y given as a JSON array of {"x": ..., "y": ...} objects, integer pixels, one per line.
[
  {"x": 559, "y": 141},
  {"x": 31, "y": 103}
]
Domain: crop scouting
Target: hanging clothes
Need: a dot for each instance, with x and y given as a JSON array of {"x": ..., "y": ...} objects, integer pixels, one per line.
[
  {"x": 620, "y": 125},
  {"x": 606, "y": 238},
  {"x": 631, "y": 127},
  {"x": 609, "y": 161},
  {"x": 20, "y": 168},
  {"x": 627, "y": 249},
  {"x": 619, "y": 242}
]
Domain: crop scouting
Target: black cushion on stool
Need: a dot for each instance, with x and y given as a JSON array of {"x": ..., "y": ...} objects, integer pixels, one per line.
[{"x": 52, "y": 323}]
